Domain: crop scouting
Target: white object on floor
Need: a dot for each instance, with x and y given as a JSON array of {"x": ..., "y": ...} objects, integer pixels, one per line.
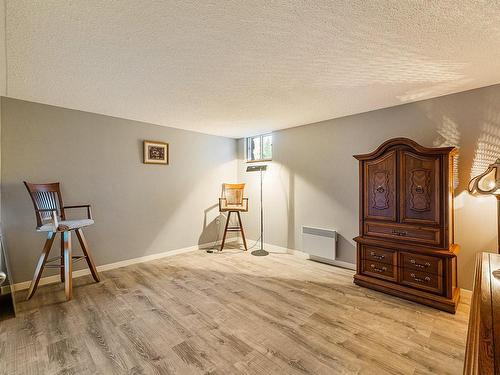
[{"x": 319, "y": 243}]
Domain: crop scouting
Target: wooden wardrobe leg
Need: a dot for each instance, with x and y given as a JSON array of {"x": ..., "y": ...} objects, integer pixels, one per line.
[
  {"x": 88, "y": 255},
  {"x": 242, "y": 232},
  {"x": 225, "y": 230},
  {"x": 41, "y": 264},
  {"x": 62, "y": 257},
  {"x": 68, "y": 266}
]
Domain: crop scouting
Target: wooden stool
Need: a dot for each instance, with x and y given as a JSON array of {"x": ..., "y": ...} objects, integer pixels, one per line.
[
  {"x": 232, "y": 201},
  {"x": 239, "y": 228},
  {"x": 51, "y": 218}
]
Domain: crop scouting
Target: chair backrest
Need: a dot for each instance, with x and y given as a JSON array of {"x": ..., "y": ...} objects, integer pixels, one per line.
[
  {"x": 233, "y": 194},
  {"x": 45, "y": 197}
]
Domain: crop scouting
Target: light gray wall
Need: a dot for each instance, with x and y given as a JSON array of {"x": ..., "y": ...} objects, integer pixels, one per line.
[
  {"x": 139, "y": 209},
  {"x": 313, "y": 179}
]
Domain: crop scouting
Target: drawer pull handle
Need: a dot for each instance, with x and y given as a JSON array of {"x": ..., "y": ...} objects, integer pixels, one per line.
[
  {"x": 380, "y": 189},
  {"x": 419, "y": 189},
  {"x": 375, "y": 255},
  {"x": 419, "y": 265},
  {"x": 426, "y": 279},
  {"x": 376, "y": 269},
  {"x": 399, "y": 233}
]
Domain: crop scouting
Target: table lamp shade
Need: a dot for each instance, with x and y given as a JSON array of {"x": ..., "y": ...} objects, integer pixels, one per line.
[{"x": 487, "y": 183}]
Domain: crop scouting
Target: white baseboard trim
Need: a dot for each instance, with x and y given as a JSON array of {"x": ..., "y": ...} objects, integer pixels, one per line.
[
  {"x": 271, "y": 248},
  {"x": 123, "y": 263},
  {"x": 283, "y": 250}
]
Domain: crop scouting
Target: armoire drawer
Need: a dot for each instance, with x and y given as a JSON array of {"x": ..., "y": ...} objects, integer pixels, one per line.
[
  {"x": 377, "y": 254},
  {"x": 425, "y": 235},
  {"x": 424, "y": 263},
  {"x": 422, "y": 280},
  {"x": 380, "y": 270}
]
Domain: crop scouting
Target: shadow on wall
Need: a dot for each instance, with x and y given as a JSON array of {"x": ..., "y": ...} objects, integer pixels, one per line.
[
  {"x": 213, "y": 225},
  {"x": 346, "y": 249},
  {"x": 314, "y": 193},
  {"x": 214, "y": 222},
  {"x": 345, "y": 246}
]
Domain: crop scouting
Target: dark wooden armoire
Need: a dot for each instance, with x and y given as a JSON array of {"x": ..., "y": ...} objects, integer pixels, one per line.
[{"x": 405, "y": 244}]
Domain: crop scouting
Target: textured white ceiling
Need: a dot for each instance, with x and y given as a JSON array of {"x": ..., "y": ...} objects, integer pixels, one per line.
[{"x": 238, "y": 68}]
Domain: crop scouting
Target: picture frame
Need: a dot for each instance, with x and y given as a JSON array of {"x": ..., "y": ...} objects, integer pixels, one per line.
[{"x": 155, "y": 152}]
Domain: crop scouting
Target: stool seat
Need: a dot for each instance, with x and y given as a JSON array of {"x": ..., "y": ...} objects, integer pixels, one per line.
[
  {"x": 65, "y": 225},
  {"x": 234, "y": 209}
]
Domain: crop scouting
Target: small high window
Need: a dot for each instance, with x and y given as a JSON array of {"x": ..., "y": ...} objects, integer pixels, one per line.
[{"x": 260, "y": 148}]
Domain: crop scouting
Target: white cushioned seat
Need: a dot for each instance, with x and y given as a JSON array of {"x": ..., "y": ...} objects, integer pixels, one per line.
[{"x": 66, "y": 225}]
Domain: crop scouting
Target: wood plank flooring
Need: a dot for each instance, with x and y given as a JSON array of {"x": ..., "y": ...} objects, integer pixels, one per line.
[{"x": 229, "y": 313}]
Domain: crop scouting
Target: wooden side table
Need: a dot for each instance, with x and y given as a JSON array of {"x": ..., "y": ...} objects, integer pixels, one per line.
[{"x": 482, "y": 351}]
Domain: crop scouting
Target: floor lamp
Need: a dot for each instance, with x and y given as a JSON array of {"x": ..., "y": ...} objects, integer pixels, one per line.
[
  {"x": 261, "y": 251},
  {"x": 488, "y": 183}
]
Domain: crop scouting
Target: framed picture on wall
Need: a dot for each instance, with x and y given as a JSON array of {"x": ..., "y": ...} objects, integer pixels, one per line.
[{"x": 155, "y": 152}]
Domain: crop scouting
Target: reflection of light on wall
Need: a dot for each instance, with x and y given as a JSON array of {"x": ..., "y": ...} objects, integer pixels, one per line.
[
  {"x": 487, "y": 149},
  {"x": 434, "y": 89},
  {"x": 448, "y": 135}
]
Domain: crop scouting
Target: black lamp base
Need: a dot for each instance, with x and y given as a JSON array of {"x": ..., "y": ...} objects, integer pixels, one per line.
[{"x": 260, "y": 253}]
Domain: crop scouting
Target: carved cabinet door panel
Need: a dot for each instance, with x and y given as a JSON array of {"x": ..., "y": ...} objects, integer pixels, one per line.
[
  {"x": 420, "y": 188},
  {"x": 380, "y": 187}
]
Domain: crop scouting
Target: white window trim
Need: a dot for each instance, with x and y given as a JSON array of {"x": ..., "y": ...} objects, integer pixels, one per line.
[{"x": 247, "y": 147}]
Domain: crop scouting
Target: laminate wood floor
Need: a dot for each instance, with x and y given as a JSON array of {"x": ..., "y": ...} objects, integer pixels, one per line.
[{"x": 229, "y": 313}]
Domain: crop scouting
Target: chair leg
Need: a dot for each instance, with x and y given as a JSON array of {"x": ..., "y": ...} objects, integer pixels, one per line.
[
  {"x": 88, "y": 255},
  {"x": 242, "y": 232},
  {"x": 41, "y": 264},
  {"x": 225, "y": 230},
  {"x": 62, "y": 257},
  {"x": 68, "y": 266}
]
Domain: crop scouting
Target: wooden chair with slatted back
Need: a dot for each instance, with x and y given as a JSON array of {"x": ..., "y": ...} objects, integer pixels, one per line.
[
  {"x": 51, "y": 218},
  {"x": 232, "y": 201}
]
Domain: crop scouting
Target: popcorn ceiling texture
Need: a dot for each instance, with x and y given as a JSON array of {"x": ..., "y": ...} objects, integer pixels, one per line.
[{"x": 237, "y": 68}]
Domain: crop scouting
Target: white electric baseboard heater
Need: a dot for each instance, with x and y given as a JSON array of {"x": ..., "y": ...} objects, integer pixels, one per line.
[{"x": 319, "y": 243}]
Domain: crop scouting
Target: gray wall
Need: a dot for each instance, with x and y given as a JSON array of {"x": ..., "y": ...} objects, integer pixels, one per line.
[
  {"x": 313, "y": 179},
  {"x": 139, "y": 209}
]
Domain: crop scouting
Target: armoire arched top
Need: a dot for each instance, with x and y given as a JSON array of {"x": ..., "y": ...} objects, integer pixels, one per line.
[{"x": 401, "y": 141}]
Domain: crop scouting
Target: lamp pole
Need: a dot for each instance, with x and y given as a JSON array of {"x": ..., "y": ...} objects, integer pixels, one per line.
[
  {"x": 261, "y": 251},
  {"x": 262, "y": 216}
]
